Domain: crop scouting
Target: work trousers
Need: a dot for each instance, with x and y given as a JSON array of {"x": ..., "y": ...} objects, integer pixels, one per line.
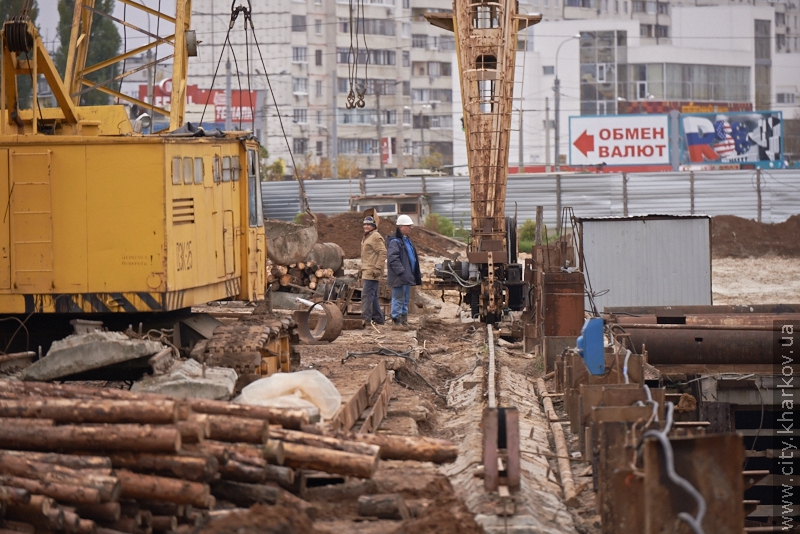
[
  {"x": 400, "y": 297},
  {"x": 370, "y": 307}
]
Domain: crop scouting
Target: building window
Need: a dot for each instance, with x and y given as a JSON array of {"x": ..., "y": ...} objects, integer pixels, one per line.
[
  {"x": 406, "y": 30},
  {"x": 548, "y": 70},
  {"x": 446, "y": 69},
  {"x": 300, "y": 86},
  {"x": 406, "y": 117},
  {"x": 419, "y": 40},
  {"x": 299, "y": 145},
  {"x": 433, "y": 69},
  {"x": 663, "y": 8},
  {"x": 662, "y": 31},
  {"x": 447, "y": 43},
  {"x": 299, "y": 54},
  {"x": 406, "y": 88},
  {"x": 624, "y": 7},
  {"x": 318, "y": 57},
  {"x": 318, "y": 87},
  {"x": 406, "y": 4},
  {"x": 300, "y": 115},
  {"x": 319, "y": 149},
  {"x": 318, "y": 26},
  {"x": 298, "y": 23},
  {"x": 786, "y": 98},
  {"x": 616, "y": 6},
  {"x": 319, "y": 117},
  {"x": 406, "y": 58}
]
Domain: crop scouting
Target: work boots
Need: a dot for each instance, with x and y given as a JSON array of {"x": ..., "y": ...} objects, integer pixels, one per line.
[
  {"x": 404, "y": 320},
  {"x": 398, "y": 324}
]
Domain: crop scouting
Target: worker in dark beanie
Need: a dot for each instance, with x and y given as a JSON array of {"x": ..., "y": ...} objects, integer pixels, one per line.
[
  {"x": 373, "y": 258},
  {"x": 403, "y": 270}
]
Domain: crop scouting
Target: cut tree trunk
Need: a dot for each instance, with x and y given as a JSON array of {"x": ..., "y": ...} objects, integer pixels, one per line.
[
  {"x": 325, "y": 442},
  {"x": 60, "y": 492},
  {"x": 193, "y": 468},
  {"x": 384, "y": 506},
  {"x": 242, "y": 494},
  {"x": 156, "y": 412},
  {"x": 330, "y": 461},
  {"x": 237, "y": 429},
  {"x": 138, "y": 486},
  {"x": 107, "y": 486},
  {"x": 65, "y": 460},
  {"x": 107, "y": 512},
  {"x": 139, "y": 438}
]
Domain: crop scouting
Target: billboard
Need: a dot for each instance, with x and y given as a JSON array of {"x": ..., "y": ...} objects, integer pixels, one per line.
[
  {"x": 619, "y": 140},
  {"x": 243, "y": 102},
  {"x": 752, "y": 138}
]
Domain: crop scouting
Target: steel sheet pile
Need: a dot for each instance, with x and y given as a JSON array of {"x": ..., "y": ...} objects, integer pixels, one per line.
[{"x": 133, "y": 462}]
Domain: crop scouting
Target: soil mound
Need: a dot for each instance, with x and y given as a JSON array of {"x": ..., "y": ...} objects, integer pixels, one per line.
[
  {"x": 346, "y": 231},
  {"x": 736, "y": 237}
]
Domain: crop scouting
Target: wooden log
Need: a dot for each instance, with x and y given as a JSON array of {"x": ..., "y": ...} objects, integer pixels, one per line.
[
  {"x": 237, "y": 429},
  {"x": 301, "y": 266},
  {"x": 326, "y": 442},
  {"x": 162, "y": 508},
  {"x": 147, "y": 518},
  {"x": 65, "y": 460},
  {"x": 49, "y": 519},
  {"x": 107, "y": 530},
  {"x": 11, "y": 495},
  {"x": 19, "y": 526},
  {"x": 138, "y": 486},
  {"x": 108, "y": 486},
  {"x": 86, "y": 526},
  {"x": 383, "y": 506},
  {"x": 195, "y": 468},
  {"x": 191, "y": 431},
  {"x": 140, "y": 438},
  {"x": 319, "y": 273},
  {"x": 288, "y": 418},
  {"x": 241, "y": 472},
  {"x": 60, "y": 492},
  {"x": 6, "y": 421},
  {"x": 242, "y": 494},
  {"x": 38, "y": 506},
  {"x": 108, "y": 512},
  {"x": 157, "y": 412},
  {"x": 285, "y": 280},
  {"x": 72, "y": 521},
  {"x": 164, "y": 523},
  {"x": 273, "y": 452},
  {"x": 330, "y": 461},
  {"x": 564, "y": 468},
  {"x": 283, "y": 476},
  {"x": 549, "y": 410},
  {"x": 421, "y": 449},
  {"x": 131, "y": 525}
]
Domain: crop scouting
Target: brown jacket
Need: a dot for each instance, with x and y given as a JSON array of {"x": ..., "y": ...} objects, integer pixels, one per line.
[{"x": 373, "y": 256}]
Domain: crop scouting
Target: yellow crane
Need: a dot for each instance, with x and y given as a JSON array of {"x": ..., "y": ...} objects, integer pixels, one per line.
[{"x": 101, "y": 219}]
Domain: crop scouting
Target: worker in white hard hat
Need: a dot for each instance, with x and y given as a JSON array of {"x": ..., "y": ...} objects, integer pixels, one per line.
[
  {"x": 403, "y": 269},
  {"x": 373, "y": 258}
]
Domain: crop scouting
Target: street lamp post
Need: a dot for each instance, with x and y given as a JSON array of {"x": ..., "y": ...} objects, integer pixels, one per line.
[{"x": 557, "y": 91}]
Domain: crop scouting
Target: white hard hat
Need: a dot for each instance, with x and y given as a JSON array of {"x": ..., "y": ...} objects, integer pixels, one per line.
[{"x": 404, "y": 220}]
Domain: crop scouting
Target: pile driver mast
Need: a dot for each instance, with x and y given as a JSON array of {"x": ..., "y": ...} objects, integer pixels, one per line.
[{"x": 486, "y": 44}]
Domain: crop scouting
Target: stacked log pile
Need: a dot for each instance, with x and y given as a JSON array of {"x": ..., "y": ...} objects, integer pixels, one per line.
[
  {"x": 297, "y": 277},
  {"x": 89, "y": 460}
]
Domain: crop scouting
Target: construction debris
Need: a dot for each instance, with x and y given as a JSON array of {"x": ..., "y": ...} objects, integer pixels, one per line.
[
  {"x": 86, "y": 352},
  {"x": 191, "y": 379}
]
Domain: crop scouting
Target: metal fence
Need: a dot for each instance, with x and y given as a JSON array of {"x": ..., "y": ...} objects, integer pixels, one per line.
[{"x": 770, "y": 196}]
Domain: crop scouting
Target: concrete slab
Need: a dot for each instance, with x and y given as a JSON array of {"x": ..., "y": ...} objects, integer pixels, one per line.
[
  {"x": 186, "y": 379},
  {"x": 85, "y": 352}
]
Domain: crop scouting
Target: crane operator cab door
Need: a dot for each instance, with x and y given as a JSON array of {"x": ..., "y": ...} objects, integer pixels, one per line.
[{"x": 256, "y": 245}]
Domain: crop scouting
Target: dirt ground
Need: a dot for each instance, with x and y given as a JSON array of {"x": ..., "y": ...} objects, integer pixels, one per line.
[
  {"x": 346, "y": 230},
  {"x": 766, "y": 280}
]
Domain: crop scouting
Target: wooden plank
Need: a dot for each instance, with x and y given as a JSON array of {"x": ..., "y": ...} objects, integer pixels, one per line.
[
  {"x": 349, "y": 412},
  {"x": 374, "y": 415}
]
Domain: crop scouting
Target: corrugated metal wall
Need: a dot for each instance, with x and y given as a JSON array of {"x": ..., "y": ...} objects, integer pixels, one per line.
[
  {"x": 590, "y": 195},
  {"x": 648, "y": 262}
]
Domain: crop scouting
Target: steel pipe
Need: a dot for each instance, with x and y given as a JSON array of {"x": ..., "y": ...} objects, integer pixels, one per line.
[{"x": 680, "y": 345}]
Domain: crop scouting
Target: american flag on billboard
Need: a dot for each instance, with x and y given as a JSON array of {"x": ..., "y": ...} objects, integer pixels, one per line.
[{"x": 724, "y": 144}]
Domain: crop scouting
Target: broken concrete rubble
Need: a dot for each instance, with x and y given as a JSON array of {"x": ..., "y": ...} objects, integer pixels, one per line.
[
  {"x": 188, "y": 379},
  {"x": 85, "y": 352}
]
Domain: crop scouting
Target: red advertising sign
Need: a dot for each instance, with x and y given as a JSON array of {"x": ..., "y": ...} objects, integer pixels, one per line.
[
  {"x": 386, "y": 153},
  {"x": 242, "y": 102}
]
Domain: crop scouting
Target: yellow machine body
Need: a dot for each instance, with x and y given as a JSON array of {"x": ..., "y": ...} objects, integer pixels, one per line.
[{"x": 128, "y": 224}]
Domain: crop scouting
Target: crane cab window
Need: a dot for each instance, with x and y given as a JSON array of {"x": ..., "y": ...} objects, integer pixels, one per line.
[
  {"x": 226, "y": 169},
  {"x": 254, "y": 190},
  {"x": 176, "y": 171},
  {"x": 188, "y": 171},
  {"x": 485, "y": 15},
  {"x": 236, "y": 168},
  {"x": 198, "y": 170},
  {"x": 217, "y": 169}
]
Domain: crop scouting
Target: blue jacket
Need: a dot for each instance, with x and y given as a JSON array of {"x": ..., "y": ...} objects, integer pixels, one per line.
[{"x": 399, "y": 272}]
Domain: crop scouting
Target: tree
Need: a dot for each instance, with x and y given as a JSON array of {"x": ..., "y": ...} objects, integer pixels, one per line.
[
  {"x": 347, "y": 168},
  {"x": 104, "y": 43},
  {"x": 432, "y": 161},
  {"x": 11, "y": 8}
]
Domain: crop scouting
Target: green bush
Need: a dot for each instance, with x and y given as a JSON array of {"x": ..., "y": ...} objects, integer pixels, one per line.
[
  {"x": 440, "y": 224},
  {"x": 527, "y": 232}
]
